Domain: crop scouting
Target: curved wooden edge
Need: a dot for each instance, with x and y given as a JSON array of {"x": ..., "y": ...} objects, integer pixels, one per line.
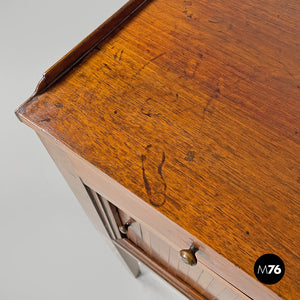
[{"x": 74, "y": 56}]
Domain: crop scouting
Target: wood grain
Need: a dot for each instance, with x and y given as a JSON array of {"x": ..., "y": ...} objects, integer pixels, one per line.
[{"x": 194, "y": 107}]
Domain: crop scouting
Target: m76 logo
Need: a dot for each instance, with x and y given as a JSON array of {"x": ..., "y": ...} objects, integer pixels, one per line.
[{"x": 269, "y": 269}]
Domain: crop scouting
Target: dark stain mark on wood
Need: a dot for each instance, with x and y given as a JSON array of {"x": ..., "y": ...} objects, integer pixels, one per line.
[
  {"x": 146, "y": 182},
  {"x": 247, "y": 232},
  {"x": 45, "y": 120},
  {"x": 200, "y": 55},
  {"x": 148, "y": 147},
  {"x": 58, "y": 105},
  {"x": 188, "y": 3},
  {"x": 159, "y": 170},
  {"x": 121, "y": 53},
  {"x": 190, "y": 156},
  {"x": 160, "y": 199},
  {"x": 296, "y": 132},
  {"x": 298, "y": 86},
  {"x": 115, "y": 112},
  {"x": 185, "y": 11},
  {"x": 298, "y": 180},
  {"x": 150, "y": 61},
  {"x": 107, "y": 66},
  {"x": 217, "y": 91}
]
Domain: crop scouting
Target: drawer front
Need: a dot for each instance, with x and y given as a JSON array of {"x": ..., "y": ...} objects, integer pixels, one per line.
[{"x": 198, "y": 276}]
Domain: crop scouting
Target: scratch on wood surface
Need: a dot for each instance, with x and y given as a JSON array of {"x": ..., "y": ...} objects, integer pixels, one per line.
[
  {"x": 107, "y": 66},
  {"x": 148, "y": 62},
  {"x": 288, "y": 71},
  {"x": 118, "y": 55}
]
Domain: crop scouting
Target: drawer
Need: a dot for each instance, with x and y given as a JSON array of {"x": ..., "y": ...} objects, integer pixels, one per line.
[
  {"x": 197, "y": 276},
  {"x": 160, "y": 255}
]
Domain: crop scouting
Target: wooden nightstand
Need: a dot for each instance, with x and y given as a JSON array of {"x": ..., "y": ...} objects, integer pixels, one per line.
[{"x": 176, "y": 124}]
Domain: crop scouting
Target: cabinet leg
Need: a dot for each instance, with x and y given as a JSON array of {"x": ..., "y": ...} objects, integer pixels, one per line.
[
  {"x": 130, "y": 262},
  {"x": 64, "y": 165}
]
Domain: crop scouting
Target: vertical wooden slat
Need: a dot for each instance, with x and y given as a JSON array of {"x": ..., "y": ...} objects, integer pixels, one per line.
[
  {"x": 107, "y": 207},
  {"x": 194, "y": 273},
  {"x": 173, "y": 261},
  {"x": 155, "y": 246},
  {"x": 146, "y": 240},
  {"x": 183, "y": 269},
  {"x": 104, "y": 212},
  {"x": 136, "y": 229},
  {"x": 205, "y": 279},
  {"x": 164, "y": 251},
  {"x": 215, "y": 287}
]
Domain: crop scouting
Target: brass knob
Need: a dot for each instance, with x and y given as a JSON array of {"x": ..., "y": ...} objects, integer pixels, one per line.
[
  {"x": 124, "y": 228},
  {"x": 188, "y": 255}
]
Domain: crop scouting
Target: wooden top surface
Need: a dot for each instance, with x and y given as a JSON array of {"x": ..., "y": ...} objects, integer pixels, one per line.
[{"x": 194, "y": 107}]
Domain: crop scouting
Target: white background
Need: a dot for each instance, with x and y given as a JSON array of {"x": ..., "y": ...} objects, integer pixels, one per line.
[{"x": 48, "y": 247}]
